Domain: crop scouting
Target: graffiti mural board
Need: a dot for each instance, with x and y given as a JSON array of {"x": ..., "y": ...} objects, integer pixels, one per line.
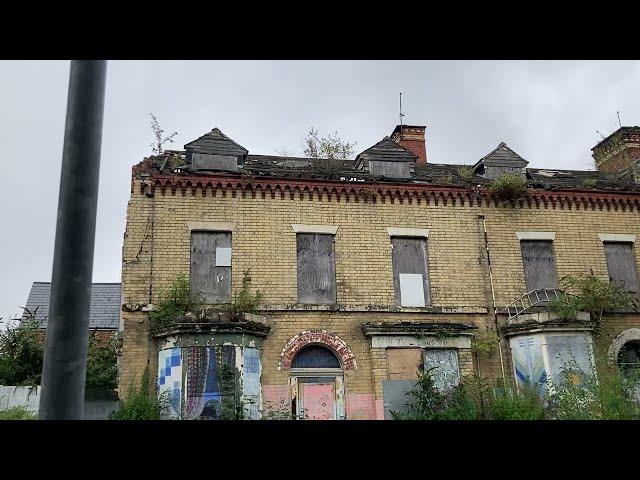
[{"x": 443, "y": 364}]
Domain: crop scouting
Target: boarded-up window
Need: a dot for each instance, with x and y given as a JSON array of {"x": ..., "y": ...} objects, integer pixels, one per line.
[
  {"x": 211, "y": 266},
  {"x": 442, "y": 364},
  {"x": 403, "y": 363},
  {"x": 621, "y": 264},
  {"x": 539, "y": 264},
  {"x": 316, "y": 269},
  {"x": 410, "y": 272}
]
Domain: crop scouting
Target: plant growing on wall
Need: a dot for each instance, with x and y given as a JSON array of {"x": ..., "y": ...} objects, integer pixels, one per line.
[
  {"x": 231, "y": 404},
  {"x": 327, "y": 153},
  {"x": 485, "y": 344},
  {"x": 509, "y": 186},
  {"x": 244, "y": 301},
  {"x": 17, "y": 413},
  {"x": 592, "y": 294},
  {"x": 161, "y": 138},
  {"x": 174, "y": 302},
  {"x": 466, "y": 173}
]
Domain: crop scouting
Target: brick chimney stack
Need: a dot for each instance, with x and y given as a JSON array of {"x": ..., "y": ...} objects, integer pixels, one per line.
[
  {"x": 618, "y": 151},
  {"x": 412, "y": 138}
]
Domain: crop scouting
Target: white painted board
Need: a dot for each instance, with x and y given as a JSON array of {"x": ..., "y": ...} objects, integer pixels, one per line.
[
  {"x": 411, "y": 290},
  {"x": 223, "y": 257}
]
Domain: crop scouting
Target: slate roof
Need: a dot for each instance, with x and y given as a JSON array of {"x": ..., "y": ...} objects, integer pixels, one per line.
[
  {"x": 216, "y": 142},
  {"x": 105, "y": 304}
]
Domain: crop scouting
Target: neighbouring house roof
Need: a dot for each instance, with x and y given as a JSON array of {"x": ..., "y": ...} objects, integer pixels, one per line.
[{"x": 105, "y": 304}]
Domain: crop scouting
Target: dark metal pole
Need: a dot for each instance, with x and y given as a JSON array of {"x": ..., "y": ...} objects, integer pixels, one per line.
[{"x": 65, "y": 356}]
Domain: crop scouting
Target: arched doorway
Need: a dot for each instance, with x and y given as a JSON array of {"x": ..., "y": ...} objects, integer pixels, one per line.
[{"x": 317, "y": 384}]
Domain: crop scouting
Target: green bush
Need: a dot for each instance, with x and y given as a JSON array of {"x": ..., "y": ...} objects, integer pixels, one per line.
[
  {"x": 17, "y": 413},
  {"x": 21, "y": 353},
  {"x": 509, "y": 186},
  {"x": 140, "y": 404},
  {"x": 506, "y": 403},
  {"x": 102, "y": 363}
]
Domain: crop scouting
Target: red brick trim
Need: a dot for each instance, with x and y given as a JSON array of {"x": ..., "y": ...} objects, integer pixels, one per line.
[
  {"x": 366, "y": 192},
  {"x": 316, "y": 336}
]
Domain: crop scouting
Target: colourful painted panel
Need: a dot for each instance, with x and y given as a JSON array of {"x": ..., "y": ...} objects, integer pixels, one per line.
[
  {"x": 528, "y": 361},
  {"x": 202, "y": 384},
  {"x": 251, "y": 382},
  {"x": 318, "y": 401},
  {"x": 569, "y": 358},
  {"x": 170, "y": 380}
]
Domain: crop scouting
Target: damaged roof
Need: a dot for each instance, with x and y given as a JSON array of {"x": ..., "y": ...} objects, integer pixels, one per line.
[
  {"x": 105, "y": 305},
  {"x": 386, "y": 150}
]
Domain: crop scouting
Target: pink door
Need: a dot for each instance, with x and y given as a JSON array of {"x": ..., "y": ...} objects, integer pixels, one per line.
[{"x": 318, "y": 401}]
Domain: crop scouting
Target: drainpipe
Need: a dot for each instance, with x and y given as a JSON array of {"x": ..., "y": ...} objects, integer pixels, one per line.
[{"x": 493, "y": 294}]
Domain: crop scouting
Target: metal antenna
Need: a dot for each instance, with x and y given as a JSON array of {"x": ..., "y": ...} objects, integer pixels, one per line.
[
  {"x": 619, "y": 122},
  {"x": 601, "y": 135},
  {"x": 401, "y": 114}
]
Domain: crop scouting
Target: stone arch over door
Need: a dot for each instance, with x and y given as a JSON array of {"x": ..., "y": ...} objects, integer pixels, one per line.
[
  {"x": 321, "y": 337},
  {"x": 620, "y": 340}
]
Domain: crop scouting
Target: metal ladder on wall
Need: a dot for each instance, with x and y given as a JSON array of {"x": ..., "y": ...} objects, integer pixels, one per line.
[{"x": 532, "y": 299}]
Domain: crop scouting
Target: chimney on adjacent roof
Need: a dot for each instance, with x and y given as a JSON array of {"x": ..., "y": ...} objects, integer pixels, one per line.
[
  {"x": 618, "y": 152},
  {"x": 412, "y": 138}
]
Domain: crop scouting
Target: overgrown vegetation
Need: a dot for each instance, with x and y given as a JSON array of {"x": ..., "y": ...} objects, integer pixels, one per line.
[
  {"x": 17, "y": 413},
  {"x": 161, "y": 138},
  {"x": 174, "y": 302},
  {"x": 140, "y": 404},
  {"x": 429, "y": 403},
  {"x": 590, "y": 293},
  {"x": 601, "y": 393},
  {"x": 604, "y": 393},
  {"x": 509, "y": 186},
  {"x": 590, "y": 182},
  {"x": 21, "y": 353},
  {"x": 327, "y": 153}
]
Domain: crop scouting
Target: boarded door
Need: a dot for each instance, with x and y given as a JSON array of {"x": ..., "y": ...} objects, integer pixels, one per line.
[
  {"x": 316, "y": 269},
  {"x": 318, "y": 401},
  {"x": 211, "y": 266},
  {"x": 539, "y": 264},
  {"x": 621, "y": 264},
  {"x": 410, "y": 277}
]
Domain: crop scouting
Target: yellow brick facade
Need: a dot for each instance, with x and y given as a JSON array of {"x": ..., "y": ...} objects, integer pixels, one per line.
[{"x": 157, "y": 250}]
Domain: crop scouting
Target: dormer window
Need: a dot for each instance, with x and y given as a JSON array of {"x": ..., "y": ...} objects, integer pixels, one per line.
[
  {"x": 387, "y": 159},
  {"x": 500, "y": 161},
  {"x": 215, "y": 151}
]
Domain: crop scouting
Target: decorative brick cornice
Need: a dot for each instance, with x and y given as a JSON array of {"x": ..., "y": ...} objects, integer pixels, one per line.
[{"x": 368, "y": 192}]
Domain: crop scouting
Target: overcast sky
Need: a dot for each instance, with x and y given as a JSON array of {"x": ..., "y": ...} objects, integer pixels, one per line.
[{"x": 547, "y": 111}]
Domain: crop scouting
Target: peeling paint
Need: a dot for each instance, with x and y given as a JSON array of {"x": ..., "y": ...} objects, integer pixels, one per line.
[{"x": 361, "y": 406}]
